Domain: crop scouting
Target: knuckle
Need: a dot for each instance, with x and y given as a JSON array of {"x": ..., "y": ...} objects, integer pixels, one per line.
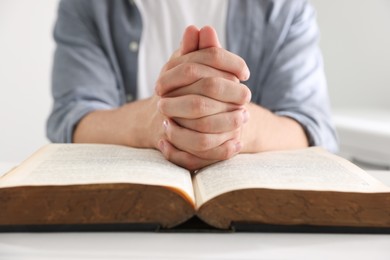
[
  {"x": 217, "y": 55},
  {"x": 201, "y": 126},
  {"x": 246, "y": 94},
  {"x": 179, "y": 158},
  {"x": 228, "y": 152},
  {"x": 213, "y": 87},
  {"x": 190, "y": 163},
  {"x": 198, "y": 105},
  {"x": 190, "y": 70},
  {"x": 236, "y": 120},
  {"x": 204, "y": 142},
  {"x": 241, "y": 63}
]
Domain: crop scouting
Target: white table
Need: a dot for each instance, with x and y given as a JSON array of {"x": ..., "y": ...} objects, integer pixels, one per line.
[
  {"x": 364, "y": 136},
  {"x": 129, "y": 245}
]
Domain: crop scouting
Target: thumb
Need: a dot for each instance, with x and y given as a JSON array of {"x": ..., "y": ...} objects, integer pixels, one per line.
[
  {"x": 190, "y": 40},
  {"x": 208, "y": 38}
]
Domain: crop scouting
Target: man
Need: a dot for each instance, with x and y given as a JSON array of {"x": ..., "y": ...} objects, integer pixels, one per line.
[{"x": 195, "y": 111}]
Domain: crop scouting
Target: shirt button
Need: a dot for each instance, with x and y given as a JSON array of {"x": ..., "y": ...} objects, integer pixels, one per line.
[
  {"x": 129, "y": 97},
  {"x": 133, "y": 46}
]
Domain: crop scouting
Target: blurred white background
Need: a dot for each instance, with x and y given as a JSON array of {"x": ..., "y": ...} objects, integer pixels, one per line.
[
  {"x": 355, "y": 42},
  {"x": 26, "y": 49}
]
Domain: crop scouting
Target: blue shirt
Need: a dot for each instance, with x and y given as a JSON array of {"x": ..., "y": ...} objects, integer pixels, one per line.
[{"x": 94, "y": 68}]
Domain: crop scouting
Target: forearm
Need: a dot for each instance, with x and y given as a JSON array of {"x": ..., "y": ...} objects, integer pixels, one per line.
[
  {"x": 266, "y": 131},
  {"x": 127, "y": 125}
]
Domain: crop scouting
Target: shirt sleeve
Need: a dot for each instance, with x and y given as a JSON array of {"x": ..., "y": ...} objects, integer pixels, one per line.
[
  {"x": 295, "y": 84},
  {"x": 82, "y": 78}
]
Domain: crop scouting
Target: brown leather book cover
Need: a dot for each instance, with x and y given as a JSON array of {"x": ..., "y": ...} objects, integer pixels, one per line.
[{"x": 106, "y": 187}]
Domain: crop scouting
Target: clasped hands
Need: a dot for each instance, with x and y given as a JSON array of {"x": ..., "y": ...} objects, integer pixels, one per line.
[{"x": 200, "y": 102}]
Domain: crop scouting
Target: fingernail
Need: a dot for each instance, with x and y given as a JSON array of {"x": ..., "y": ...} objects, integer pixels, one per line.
[
  {"x": 245, "y": 116},
  {"x": 165, "y": 125}
]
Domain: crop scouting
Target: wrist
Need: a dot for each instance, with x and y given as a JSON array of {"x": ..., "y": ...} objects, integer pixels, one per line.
[
  {"x": 266, "y": 131},
  {"x": 141, "y": 123}
]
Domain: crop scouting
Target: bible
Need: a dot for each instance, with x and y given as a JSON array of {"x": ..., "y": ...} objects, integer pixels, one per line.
[{"x": 98, "y": 184}]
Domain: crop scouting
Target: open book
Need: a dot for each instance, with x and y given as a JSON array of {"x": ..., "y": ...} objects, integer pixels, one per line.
[{"x": 66, "y": 184}]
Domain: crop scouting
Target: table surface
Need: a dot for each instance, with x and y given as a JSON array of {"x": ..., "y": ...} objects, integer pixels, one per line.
[{"x": 133, "y": 245}]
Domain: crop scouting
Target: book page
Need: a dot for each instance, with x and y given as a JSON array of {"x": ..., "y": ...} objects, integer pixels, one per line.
[
  {"x": 306, "y": 169},
  {"x": 73, "y": 164}
]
